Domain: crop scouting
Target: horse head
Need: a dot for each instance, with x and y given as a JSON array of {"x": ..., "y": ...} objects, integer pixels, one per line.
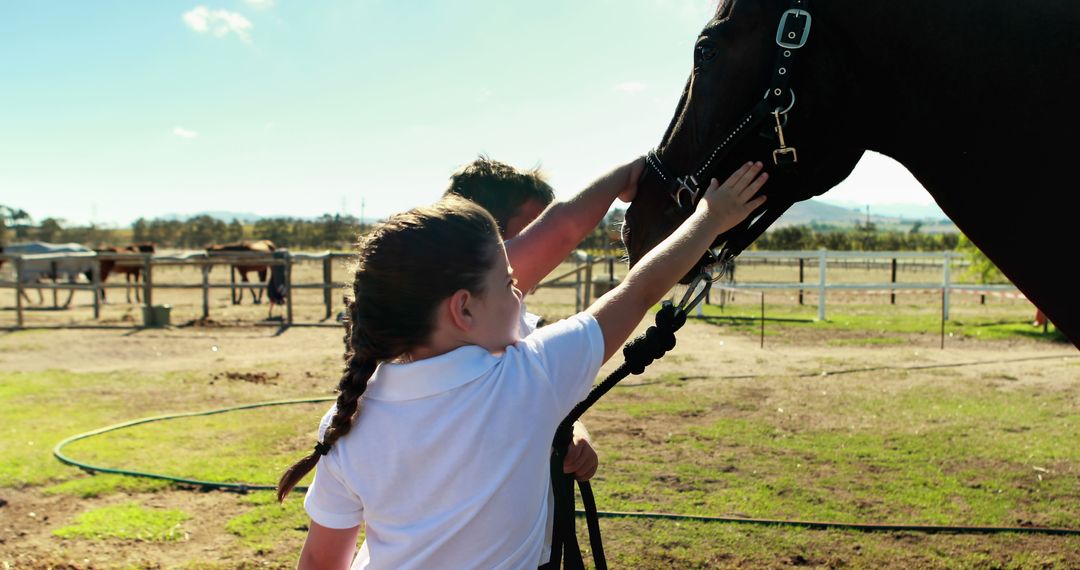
[{"x": 755, "y": 67}]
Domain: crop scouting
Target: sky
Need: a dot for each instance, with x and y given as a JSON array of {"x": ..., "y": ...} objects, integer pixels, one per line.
[{"x": 114, "y": 110}]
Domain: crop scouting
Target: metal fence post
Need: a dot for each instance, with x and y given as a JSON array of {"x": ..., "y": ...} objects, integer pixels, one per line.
[
  {"x": 327, "y": 269},
  {"x": 821, "y": 285},
  {"x": 288, "y": 289},
  {"x": 892, "y": 294},
  {"x": 55, "y": 277},
  {"x": 577, "y": 285},
  {"x": 96, "y": 289},
  {"x": 148, "y": 283},
  {"x": 945, "y": 277},
  {"x": 802, "y": 266},
  {"x": 205, "y": 291},
  {"x": 18, "y": 292},
  {"x": 588, "y": 281},
  {"x": 232, "y": 285}
]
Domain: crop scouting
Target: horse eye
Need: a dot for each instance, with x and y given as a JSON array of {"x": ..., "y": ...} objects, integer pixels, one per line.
[{"x": 705, "y": 52}]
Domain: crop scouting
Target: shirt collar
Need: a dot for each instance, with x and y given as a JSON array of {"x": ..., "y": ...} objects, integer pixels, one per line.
[{"x": 430, "y": 376}]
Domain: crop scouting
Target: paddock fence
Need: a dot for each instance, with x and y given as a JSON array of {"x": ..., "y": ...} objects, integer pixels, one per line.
[
  {"x": 804, "y": 273},
  {"x": 148, "y": 263}
]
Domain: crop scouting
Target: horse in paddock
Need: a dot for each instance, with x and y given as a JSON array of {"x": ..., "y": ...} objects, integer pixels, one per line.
[
  {"x": 247, "y": 246},
  {"x": 974, "y": 98},
  {"x": 35, "y": 271},
  {"x": 132, "y": 270}
]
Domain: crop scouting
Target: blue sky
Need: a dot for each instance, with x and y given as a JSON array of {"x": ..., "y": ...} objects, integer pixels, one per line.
[{"x": 113, "y": 110}]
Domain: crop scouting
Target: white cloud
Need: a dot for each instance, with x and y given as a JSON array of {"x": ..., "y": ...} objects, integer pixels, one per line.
[
  {"x": 260, "y": 4},
  {"x": 218, "y": 22},
  {"x": 631, "y": 87},
  {"x": 184, "y": 133}
]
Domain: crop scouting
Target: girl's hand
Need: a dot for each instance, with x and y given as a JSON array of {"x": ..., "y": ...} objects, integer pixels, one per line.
[
  {"x": 729, "y": 203},
  {"x": 581, "y": 459}
]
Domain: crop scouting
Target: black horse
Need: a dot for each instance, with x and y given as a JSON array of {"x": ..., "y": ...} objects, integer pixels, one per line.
[{"x": 977, "y": 99}]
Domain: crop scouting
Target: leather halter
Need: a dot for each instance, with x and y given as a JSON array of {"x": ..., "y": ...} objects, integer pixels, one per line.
[{"x": 686, "y": 191}]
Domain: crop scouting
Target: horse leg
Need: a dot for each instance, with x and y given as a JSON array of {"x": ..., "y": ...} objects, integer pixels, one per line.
[
  {"x": 262, "y": 282},
  {"x": 71, "y": 293},
  {"x": 243, "y": 279}
]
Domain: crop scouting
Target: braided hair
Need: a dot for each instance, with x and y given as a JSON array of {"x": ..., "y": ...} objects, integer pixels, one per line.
[{"x": 405, "y": 268}]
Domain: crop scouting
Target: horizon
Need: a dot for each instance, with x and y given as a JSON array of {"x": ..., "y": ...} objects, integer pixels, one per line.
[{"x": 123, "y": 111}]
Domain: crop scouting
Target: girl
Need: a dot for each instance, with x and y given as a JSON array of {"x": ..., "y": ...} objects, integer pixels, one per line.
[{"x": 440, "y": 437}]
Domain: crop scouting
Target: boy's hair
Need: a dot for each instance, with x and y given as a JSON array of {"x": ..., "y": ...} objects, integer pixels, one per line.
[
  {"x": 500, "y": 188},
  {"x": 406, "y": 266}
]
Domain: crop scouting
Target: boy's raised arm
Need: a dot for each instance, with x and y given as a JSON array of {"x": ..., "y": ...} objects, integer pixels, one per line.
[{"x": 545, "y": 243}]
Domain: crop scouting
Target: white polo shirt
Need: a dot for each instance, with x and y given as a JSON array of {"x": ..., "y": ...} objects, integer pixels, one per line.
[{"x": 447, "y": 464}]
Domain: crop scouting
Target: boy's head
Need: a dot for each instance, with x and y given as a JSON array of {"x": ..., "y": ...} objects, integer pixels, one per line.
[{"x": 513, "y": 197}]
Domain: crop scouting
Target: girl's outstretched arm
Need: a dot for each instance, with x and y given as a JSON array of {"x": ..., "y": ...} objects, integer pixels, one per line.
[
  {"x": 724, "y": 205},
  {"x": 328, "y": 548}
]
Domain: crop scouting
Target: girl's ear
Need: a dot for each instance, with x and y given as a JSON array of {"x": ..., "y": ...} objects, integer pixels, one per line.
[{"x": 460, "y": 314}]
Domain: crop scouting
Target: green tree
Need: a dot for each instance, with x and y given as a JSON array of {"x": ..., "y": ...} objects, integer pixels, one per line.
[
  {"x": 980, "y": 267},
  {"x": 50, "y": 230},
  {"x": 234, "y": 232},
  {"x": 140, "y": 231}
]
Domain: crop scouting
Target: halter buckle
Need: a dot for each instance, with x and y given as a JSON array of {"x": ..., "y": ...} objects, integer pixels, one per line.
[
  {"x": 794, "y": 29},
  {"x": 785, "y": 156},
  {"x": 692, "y": 190}
]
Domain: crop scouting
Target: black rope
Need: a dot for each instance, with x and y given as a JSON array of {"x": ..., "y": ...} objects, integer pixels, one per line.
[{"x": 640, "y": 352}]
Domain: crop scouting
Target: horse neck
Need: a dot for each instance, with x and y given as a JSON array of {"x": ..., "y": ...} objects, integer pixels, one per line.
[{"x": 931, "y": 74}]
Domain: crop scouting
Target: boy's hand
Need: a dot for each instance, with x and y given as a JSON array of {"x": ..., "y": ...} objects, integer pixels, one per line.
[
  {"x": 633, "y": 173},
  {"x": 729, "y": 203},
  {"x": 581, "y": 459}
]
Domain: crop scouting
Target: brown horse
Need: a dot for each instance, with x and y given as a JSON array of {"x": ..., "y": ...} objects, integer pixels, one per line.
[
  {"x": 247, "y": 246},
  {"x": 132, "y": 270},
  {"x": 971, "y": 97}
]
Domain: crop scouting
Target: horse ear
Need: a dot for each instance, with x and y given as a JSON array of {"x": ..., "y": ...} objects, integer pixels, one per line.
[{"x": 723, "y": 9}]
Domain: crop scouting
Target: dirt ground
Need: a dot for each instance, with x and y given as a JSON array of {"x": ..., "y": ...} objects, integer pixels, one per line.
[{"x": 705, "y": 354}]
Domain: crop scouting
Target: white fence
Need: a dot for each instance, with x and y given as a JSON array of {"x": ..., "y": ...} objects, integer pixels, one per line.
[
  {"x": 580, "y": 278},
  {"x": 584, "y": 284}
]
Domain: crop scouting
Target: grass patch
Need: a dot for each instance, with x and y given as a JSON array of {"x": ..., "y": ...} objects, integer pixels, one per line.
[
  {"x": 262, "y": 526},
  {"x": 881, "y": 321},
  {"x": 128, "y": 521},
  {"x": 42, "y": 408}
]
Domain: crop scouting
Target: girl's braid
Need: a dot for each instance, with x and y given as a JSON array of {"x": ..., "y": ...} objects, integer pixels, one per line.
[{"x": 360, "y": 362}]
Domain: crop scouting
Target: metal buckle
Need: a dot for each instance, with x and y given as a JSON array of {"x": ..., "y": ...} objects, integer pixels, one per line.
[
  {"x": 792, "y": 39},
  {"x": 785, "y": 156},
  {"x": 692, "y": 190}
]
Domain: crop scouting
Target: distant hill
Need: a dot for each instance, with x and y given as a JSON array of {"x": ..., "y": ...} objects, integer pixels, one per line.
[
  {"x": 244, "y": 217},
  {"x": 819, "y": 212}
]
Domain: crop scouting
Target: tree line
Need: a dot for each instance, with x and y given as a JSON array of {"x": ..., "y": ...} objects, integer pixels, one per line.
[
  {"x": 859, "y": 238},
  {"x": 333, "y": 231},
  {"x": 329, "y": 231}
]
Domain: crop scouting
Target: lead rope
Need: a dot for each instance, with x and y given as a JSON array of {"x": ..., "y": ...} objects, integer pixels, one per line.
[{"x": 640, "y": 352}]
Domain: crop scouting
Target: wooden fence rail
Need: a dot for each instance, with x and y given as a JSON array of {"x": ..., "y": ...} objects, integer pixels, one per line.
[{"x": 148, "y": 262}]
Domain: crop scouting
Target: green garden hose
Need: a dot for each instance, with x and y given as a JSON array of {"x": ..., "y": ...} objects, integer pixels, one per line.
[{"x": 245, "y": 487}]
